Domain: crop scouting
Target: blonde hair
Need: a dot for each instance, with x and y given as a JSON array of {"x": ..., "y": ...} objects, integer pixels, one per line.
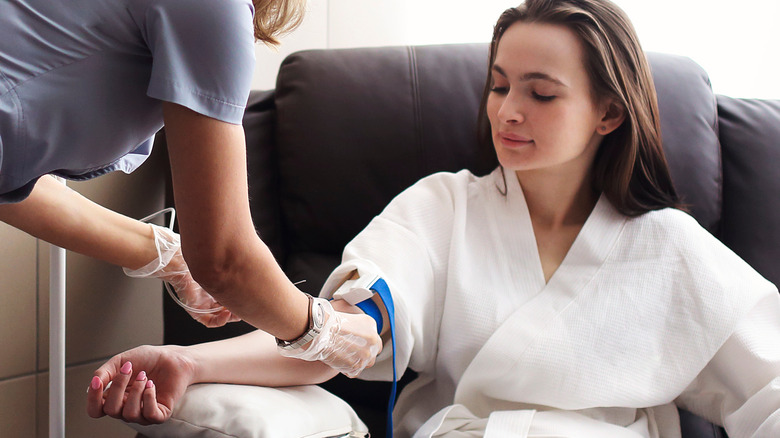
[{"x": 274, "y": 18}]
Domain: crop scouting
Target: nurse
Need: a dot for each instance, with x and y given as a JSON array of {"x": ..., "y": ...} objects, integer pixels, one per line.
[{"x": 83, "y": 89}]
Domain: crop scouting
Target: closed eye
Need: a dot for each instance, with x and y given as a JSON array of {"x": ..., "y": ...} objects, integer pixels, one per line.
[
  {"x": 499, "y": 90},
  {"x": 542, "y": 97}
]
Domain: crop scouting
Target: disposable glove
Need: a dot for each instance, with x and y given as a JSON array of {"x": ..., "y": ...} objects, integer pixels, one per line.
[
  {"x": 170, "y": 267},
  {"x": 347, "y": 342}
]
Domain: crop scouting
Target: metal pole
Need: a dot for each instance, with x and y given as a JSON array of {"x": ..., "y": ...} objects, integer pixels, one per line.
[{"x": 56, "y": 342}]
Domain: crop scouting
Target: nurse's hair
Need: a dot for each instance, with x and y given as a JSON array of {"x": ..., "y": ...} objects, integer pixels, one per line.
[
  {"x": 274, "y": 18},
  {"x": 630, "y": 167}
]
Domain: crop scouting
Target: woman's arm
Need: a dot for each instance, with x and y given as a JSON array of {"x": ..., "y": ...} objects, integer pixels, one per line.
[
  {"x": 147, "y": 382},
  {"x": 250, "y": 359},
  {"x": 740, "y": 387},
  {"x": 60, "y": 215}
]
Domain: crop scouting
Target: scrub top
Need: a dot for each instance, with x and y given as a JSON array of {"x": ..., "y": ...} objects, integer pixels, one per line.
[{"x": 82, "y": 82}]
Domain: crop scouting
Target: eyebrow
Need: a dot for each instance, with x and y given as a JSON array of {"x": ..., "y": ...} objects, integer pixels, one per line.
[{"x": 530, "y": 76}]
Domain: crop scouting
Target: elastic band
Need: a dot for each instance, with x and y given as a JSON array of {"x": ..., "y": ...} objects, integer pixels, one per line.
[
  {"x": 370, "y": 308},
  {"x": 381, "y": 288}
]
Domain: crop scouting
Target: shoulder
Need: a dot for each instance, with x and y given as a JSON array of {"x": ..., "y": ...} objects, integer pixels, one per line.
[
  {"x": 202, "y": 54},
  {"x": 672, "y": 231},
  {"x": 442, "y": 190},
  {"x": 202, "y": 8},
  {"x": 202, "y": 20},
  {"x": 691, "y": 249}
]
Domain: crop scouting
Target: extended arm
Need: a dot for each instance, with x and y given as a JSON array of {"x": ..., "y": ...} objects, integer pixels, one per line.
[
  {"x": 250, "y": 359},
  {"x": 60, "y": 215}
]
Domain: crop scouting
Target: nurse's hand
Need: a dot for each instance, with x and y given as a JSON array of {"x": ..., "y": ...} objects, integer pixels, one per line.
[
  {"x": 201, "y": 306},
  {"x": 146, "y": 382},
  {"x": 170, "y": 267},
  {"x": 348, "y": 342}
]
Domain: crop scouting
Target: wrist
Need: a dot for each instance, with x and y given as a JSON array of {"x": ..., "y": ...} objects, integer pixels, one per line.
[
  {"x": 318, "y": 311},
  {"x": 194, "y": 363}
]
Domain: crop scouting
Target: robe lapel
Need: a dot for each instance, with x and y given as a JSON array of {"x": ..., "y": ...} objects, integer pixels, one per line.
[{"x": 489, "y": 377}]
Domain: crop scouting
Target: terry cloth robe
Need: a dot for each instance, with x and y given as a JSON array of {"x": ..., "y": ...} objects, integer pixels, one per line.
[{"x": 643, "y": 314}]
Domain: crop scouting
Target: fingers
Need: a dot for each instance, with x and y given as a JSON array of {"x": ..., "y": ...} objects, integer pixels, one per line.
[
  {"x": 133, "y": 400},
  {"x": 95, "y": 398},
  {"x": 132, "y": 405},
  {"x": 114, "y": 401},
  {"x": 152, "y": 411},
  {"x": 355, "y": 346},
  {"x": 217, "y": 319}
]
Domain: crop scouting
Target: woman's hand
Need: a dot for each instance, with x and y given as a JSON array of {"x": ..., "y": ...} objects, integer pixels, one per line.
[
  {"x": 348, "y": 342},
  {"x": 146, "y": 382}
]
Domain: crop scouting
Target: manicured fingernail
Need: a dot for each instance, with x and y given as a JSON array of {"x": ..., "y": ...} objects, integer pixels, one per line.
[
  {"x": 96, "y": 382},
  {"x": 149, "y": 383},
  {"x": 141, "y": 376},
  {"x": 126, "y": 368}
]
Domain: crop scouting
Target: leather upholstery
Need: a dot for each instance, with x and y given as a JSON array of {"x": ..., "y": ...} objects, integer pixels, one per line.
[{"x": 347, "y": 130}]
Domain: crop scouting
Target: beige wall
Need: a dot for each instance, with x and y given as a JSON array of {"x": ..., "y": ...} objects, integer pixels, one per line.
[{"x": 106, "y": 313}]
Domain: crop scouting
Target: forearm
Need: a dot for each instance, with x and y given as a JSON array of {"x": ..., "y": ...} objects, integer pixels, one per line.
[
  {"x": 59, "y": 215},
  {"x": 219, "y": 241},
  {"x": 252, "y": 359}
]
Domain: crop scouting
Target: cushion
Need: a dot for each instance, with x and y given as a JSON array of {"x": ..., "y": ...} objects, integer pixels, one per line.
[
  {"x": 750, "y": 137},
  {"x": 689, "y": 129},
  {"x": 220, "y": 410}
]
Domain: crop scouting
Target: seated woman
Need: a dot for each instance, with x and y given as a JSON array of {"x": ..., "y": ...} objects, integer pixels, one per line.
[{"x": 564, "y": 294}]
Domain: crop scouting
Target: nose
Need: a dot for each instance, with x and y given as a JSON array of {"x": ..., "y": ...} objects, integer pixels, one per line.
[{"x": 511, "y": 110}]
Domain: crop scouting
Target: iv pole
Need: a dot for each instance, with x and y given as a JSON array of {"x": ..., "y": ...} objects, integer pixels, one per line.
[{"x": 57, "y": 340}]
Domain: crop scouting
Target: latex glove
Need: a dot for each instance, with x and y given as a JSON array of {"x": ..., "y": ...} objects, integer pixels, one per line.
[
  {"x": 146, "y": 383},
  {"x": 170, "y": 267},
  {"x": 349, "y": 343}
]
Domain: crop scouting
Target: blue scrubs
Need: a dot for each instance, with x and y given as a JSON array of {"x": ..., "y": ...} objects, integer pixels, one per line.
[{"x": 82, "y": 81}]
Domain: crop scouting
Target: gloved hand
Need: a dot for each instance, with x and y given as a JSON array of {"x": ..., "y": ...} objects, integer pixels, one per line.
[
  {"x": 170, "y": 267},
  {"x": 347, "y": 342}
]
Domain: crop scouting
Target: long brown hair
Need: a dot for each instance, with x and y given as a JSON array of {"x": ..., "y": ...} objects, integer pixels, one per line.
[
  {"x": 630, "y": 167},
  {"x": 274, "y": 18}
]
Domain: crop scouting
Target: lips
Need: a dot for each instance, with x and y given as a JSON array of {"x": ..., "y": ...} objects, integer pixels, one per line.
[{"x": 511, "y": 140}]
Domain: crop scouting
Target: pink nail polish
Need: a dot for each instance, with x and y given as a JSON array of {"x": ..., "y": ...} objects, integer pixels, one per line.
[
  {"x": 149, "y": 383},
  {"x": 141, "y": 376},
  {"x": 96, "y": 383},
  {"x": 126, "y": 368}
]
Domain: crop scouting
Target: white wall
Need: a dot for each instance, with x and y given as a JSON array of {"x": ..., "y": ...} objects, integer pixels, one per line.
[{"x": 736, "y": 43}]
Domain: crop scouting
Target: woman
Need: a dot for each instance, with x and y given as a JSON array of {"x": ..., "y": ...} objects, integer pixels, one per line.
[
  {"x": 565, "y": 294},
  {"x": 83, "y": 89}
]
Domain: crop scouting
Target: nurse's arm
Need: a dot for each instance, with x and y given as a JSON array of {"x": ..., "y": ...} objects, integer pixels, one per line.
[
  {"x": 219, "y": 241},
  {"x": 60, "y": 215}
]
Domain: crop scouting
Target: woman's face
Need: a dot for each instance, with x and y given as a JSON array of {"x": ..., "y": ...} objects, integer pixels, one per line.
[{"x": 541, "y": 111}]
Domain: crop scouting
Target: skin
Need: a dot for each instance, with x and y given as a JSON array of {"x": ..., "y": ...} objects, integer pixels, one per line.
[
  {"x": 548, "y": 143},
  {"x": 547, "y": 127},
  {"x": 251, "y": 359}
]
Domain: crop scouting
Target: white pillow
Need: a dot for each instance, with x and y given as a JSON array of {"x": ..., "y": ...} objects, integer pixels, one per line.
[{"x": 220, "y": 410}]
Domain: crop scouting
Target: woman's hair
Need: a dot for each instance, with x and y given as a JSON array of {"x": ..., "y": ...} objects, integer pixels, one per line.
[
  {"x": 630, "y": 167},
  {"x": 277, "y": 17}
]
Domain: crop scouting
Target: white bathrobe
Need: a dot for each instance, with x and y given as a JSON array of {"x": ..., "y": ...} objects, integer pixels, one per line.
[{"x": 643, "y": 314}]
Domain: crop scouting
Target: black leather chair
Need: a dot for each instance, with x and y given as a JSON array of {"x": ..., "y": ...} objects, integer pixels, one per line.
[{"x": 347, "y": 130}]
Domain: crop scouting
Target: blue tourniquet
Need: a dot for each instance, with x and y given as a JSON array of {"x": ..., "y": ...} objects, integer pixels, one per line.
[{"x": 372, "y": 310}]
